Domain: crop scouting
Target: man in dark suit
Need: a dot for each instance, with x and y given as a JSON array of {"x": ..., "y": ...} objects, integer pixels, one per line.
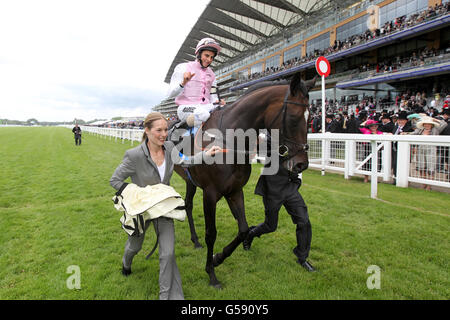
[
  {"x": 281, "y": 189},
  {"x": 445, "y": 115},
  {"x": 402, "y": 125},
  {"x": 387, "y": 126},
  {"x": 344, "y": 121},
  {"x": 443, "y": 152},
  {"x": 331, "y": 125},
  {"x": 77, "y": 132},
  {"x": 317, "y": 123},
  {"x": 352, "y": 125}
]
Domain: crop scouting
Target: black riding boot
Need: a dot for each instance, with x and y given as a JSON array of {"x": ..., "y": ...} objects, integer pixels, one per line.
[
  {"x": 176, "y": 138},
  {"x": 181, "y": 125}
]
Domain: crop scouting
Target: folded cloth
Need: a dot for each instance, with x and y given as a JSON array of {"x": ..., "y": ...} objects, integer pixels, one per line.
[{"x": 142, "y": 204}]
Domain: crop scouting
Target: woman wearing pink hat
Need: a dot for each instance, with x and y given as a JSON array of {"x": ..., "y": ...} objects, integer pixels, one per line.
[
  {"x": 191, "y": 84},
  {"x": 370, "y": 127}
]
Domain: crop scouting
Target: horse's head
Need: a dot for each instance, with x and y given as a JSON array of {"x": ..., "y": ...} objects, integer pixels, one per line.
[{"x": 291, "y": 118}]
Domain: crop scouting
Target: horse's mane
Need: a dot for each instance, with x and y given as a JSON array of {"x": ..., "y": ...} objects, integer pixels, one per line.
[
  {"x": 264, "y": 84},
  {"x": 300, "y": 85}
]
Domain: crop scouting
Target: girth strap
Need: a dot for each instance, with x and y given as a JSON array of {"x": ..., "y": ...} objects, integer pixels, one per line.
[{"x": 186, "y": 170}]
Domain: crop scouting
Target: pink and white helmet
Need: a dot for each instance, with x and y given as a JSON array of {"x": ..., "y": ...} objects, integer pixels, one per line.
[{"x": 208, "y": 44}]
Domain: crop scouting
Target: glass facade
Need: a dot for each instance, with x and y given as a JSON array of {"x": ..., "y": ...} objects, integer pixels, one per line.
[
  {"x": 318, "y": 43},
  {"x": 292, "y": 53},
  {"x": 243, "y": 74},
  {"x": 256, "y": 68},
  {"x": 401, "y": 8},
  {"x": 357, "y": 26},
  {"x": 273, "y": 62}
]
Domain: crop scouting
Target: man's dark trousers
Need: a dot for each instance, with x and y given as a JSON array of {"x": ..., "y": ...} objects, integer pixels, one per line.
[
  {"x": 278, "y": 190},
  {"x": 77, "y": 139}
]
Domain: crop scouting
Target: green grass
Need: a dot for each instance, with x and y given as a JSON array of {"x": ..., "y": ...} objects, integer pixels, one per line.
[{"x": 56, "y": 211}]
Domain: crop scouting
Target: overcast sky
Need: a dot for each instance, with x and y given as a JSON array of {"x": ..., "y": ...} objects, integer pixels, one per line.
[{"x": 67, "y": 59}]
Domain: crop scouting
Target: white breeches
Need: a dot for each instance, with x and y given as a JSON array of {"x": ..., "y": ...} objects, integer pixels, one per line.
[{"x": 201, "y": 112}]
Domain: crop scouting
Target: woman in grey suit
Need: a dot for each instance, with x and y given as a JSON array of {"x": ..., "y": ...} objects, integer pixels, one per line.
[{"x": 151, "y": 163}]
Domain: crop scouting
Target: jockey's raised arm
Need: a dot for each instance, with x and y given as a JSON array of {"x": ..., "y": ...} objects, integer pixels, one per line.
[{"x": 191, "y": 84}]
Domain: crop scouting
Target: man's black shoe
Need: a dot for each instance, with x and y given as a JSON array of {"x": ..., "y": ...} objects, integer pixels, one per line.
[
  {"x": 126, "y": 272},
  {"x": 308, "y": 267},
  {"x": 247, "y": 243}
]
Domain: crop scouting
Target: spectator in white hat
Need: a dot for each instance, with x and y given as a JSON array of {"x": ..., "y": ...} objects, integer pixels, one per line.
[{"x": 426, "y": 154}]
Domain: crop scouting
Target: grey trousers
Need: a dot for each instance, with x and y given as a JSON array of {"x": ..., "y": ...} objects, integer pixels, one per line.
[{"x": 169, "y": 275}]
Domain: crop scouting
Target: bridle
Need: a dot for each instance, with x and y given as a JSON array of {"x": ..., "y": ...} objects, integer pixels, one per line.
[{"x": 283, "y": 149}]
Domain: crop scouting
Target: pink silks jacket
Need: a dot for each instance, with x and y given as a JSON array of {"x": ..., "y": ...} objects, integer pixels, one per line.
[{"x": 198, "y": 89}]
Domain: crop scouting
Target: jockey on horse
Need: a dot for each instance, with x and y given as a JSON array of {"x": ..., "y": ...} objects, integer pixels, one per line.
[{"x": 191, "y": 84}]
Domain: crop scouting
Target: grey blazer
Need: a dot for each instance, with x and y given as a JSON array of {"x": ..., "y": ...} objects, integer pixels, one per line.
[{"x": 138, "y": 164}]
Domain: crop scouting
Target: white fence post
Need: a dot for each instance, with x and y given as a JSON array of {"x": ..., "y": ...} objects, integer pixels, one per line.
[
  {"x": 324, "y": 148},
  {"x": 387, "y": 160},
  {"x": 374, "y": 179},
  {"x": 403, "y": 165},
  {"x": 352, "y": 157},
  {"x": 347, "y": 158}
]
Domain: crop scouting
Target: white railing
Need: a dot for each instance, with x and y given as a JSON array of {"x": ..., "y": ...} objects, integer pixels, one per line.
[
  {"x": 417, "y": 158},
  {"x": 353, "y": 154},
  {"x": 117, "y": 134}
]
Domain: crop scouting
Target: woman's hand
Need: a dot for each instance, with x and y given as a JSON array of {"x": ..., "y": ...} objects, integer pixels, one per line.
[{"x": 214, "y": 150}]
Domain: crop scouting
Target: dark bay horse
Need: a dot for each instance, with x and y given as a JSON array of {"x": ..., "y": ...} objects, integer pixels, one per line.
[{"x": 265, "y": 106}]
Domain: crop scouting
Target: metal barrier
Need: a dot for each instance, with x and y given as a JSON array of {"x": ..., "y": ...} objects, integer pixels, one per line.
[{"x": 400, "y": 159}]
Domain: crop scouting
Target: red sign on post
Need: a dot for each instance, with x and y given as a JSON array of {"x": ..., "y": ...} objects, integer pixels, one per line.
[{"x": 323, "y": 66}]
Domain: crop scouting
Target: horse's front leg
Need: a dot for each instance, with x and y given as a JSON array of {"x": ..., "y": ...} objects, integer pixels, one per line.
[
  {"x": 210, "y": 199},
  {"x": 236, "y": 204},
  {"x": 189, "y": 203}
]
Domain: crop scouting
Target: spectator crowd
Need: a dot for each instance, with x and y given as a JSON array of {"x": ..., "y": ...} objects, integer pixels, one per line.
[
  {"x": 398, "y": 24},
  {"x": 411, "y": 116}
]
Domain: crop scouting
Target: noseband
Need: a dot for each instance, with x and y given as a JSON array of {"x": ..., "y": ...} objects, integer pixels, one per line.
[{"x": 283, "y": 149}]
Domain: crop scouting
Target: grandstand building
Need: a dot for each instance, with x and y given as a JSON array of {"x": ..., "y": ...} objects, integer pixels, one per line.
[{"x": 377, "y": 48}]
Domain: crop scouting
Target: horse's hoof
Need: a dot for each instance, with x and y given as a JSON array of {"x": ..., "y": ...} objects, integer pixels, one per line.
[{"x": 216, "y": 285}]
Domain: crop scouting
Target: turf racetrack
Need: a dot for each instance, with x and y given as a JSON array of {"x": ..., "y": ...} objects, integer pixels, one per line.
[{"x": 56, "y": 212}]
